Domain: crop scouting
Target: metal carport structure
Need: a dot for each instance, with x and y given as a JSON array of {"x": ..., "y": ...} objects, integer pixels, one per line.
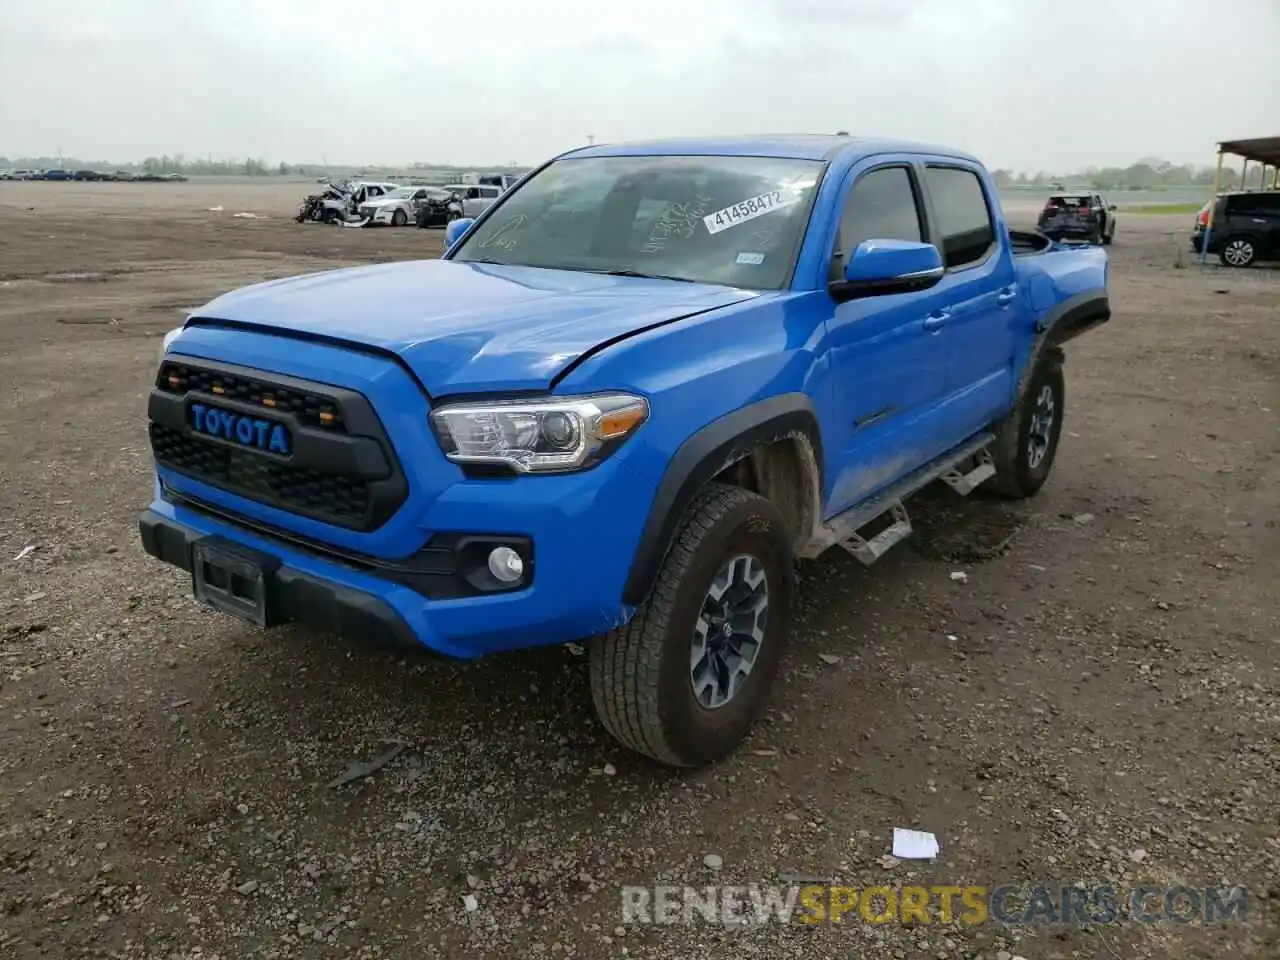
[{"x": 1260, "y": 150}]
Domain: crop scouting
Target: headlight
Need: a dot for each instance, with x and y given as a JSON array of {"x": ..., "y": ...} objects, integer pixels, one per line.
[
  {"x": 169, "y": 337},
  {"x": 539, "y": 436}
]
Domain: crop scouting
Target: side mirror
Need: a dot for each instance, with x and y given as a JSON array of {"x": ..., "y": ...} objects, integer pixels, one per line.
[
  {"x": 879, "y": 267},
  {"x": 454, "y": 231}
]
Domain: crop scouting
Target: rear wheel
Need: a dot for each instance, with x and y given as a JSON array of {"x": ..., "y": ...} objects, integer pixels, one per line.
[
  {"x": 1027, "y": 442},
  {"x": 1238, "y": 252},
  {"x": 686, "y": 678}
]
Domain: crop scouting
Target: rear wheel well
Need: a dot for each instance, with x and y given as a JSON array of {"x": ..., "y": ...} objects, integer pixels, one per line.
[{"x": 785, "y": 472}]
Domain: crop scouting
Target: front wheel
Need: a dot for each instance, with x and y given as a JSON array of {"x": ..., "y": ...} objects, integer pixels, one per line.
[
  {"x": 399, "y": 218},
  {"x": 686, "y": 678},
  {"x": 1027, "y": 442}
]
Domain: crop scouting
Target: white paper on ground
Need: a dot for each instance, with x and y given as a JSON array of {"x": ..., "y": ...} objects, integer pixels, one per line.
[{"x": 914, "y": 844}]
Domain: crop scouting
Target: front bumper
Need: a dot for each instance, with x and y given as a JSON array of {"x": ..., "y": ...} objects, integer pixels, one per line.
[
  {"x": 578, "y": 542},
  {"x": 300, "y": 597}
]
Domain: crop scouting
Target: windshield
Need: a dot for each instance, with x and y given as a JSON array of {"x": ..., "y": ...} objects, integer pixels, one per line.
[
  {"x": 736, "y": 221},
  {"x": 399, "y": 193}
]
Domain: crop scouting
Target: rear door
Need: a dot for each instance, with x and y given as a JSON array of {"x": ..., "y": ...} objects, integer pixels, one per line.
[
  {"x": 1258, "y": 215},
  {"x": 1270, "y": 206},
  {"x": 978, "y": 294}
]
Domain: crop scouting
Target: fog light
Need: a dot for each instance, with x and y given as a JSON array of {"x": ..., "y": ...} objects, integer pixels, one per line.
[{"x": 505, "y": 565}]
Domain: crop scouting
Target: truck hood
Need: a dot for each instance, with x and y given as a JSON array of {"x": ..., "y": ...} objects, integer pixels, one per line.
[{"x": 468, "y": 327}]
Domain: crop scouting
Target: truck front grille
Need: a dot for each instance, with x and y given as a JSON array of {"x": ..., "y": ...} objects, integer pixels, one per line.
[
  {"x": 179, "y": 378},
  {"x": 341, "y": 468},
  {"x": 340, "y": 500}
]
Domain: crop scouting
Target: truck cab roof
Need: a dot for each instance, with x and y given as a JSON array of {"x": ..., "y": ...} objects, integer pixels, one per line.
[{"x": 782, "y": 146}]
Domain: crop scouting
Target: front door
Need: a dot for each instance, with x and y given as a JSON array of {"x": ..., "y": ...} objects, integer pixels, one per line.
[{"x": 888, "y": 354}]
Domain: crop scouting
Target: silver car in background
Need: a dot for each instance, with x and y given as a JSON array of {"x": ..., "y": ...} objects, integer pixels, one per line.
[
  {"x": 396, "y": 208},
  {"x": 475, "y": 197}
]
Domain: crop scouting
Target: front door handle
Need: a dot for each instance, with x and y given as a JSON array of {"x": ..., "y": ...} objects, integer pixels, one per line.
[
  {"x": 1006, "y": 297},
  {"x": 935, "y": 321}
]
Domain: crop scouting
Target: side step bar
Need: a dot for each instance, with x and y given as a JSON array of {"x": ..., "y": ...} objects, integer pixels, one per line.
[
  {"x": 844, "y": 528},
  {"x": 965, "y": 483}
]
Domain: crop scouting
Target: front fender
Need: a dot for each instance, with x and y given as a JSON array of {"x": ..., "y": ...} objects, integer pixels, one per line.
[{"x": 704, "y": 455}]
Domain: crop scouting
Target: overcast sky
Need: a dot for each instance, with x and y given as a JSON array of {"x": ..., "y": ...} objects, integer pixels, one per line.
[{"x": 1026, "y": 84}]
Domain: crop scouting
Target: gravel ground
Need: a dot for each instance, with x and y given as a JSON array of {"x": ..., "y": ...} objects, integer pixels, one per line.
[{"x": 1096, "y": 700}]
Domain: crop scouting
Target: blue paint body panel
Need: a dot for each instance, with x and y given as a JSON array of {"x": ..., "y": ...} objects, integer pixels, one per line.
[{"x": 888, "y": 387}]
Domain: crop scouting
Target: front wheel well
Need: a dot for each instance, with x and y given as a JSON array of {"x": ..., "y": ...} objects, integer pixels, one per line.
[
  {"x": 772, "y": 447},
  {"x": 785, "y": 472}
]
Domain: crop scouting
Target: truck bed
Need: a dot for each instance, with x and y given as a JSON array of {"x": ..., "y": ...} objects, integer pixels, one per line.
[
  {"x": 1026, "y": 243},
  {"x": 1056, "y": 274}
]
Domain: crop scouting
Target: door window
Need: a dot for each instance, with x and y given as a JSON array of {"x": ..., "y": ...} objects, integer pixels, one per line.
[
  {"x": 967, "y": 233},
  {"x": 881, "y": 206}
]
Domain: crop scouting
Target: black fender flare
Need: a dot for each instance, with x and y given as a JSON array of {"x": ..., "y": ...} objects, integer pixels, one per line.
[{"x": 704, "y": 455}]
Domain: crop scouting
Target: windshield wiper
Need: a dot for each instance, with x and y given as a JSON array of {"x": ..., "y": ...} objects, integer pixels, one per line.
[{"x": 644, "y": 276}]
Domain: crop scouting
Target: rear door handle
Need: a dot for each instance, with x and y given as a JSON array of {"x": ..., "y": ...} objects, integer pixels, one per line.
[{"x": 935, "y": 321}]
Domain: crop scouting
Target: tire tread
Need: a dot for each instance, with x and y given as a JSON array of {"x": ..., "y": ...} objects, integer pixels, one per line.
[
  {"x": 1006, "y": 449},
  {"x": 625, "y": 663}
]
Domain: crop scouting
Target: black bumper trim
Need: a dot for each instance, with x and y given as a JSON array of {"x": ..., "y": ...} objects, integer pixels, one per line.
[
  {"x": 447, "y": 567},
  {"x": 298, "y": 597}
]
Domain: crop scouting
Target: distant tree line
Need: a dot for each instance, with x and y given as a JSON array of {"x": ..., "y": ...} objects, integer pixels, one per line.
[
  {"x": 251, "y": 167},
  {"x": 1149, "y": 174},
  {"x": 1146, "y": 174}
]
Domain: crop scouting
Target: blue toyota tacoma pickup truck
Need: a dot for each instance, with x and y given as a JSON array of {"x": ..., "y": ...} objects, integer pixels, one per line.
[{"x": 622, "y": 404}]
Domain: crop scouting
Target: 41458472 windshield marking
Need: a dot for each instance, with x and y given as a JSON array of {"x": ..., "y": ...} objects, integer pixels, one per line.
[{"x": 749, "y": 209}]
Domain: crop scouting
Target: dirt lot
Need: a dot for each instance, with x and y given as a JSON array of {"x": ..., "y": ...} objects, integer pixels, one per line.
[{"x": 1098, "y": 702}]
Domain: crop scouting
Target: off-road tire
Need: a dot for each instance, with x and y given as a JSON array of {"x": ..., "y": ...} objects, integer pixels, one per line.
[
  {"x": 640, "y": 673},
  {"x": 1108, "y": 237},
  {"x": 1015, "y": 478}
]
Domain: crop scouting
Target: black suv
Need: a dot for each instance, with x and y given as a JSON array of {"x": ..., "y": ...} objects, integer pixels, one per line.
[
  {"x": 1079, "y": 216},
  {"x": 1246, "y": 228}
]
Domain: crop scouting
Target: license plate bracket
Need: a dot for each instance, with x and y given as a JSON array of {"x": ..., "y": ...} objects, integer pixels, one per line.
[{"x": 233, "y": 579}]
